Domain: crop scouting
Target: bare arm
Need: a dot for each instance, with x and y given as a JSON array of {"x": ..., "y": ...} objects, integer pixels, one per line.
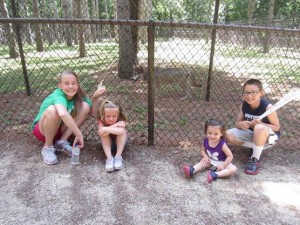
[
  {"x": 240, "y": 122},
  {"x": 229, "y": 157},
  {"x": 273, "y": 118},
  {"x": 117, "y": 128},
  {"x": 204, "y": 154},
  {"x": 96, "y": 100},
  {"x": 70, "y": 123}
]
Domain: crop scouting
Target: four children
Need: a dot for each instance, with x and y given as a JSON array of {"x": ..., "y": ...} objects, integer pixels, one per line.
[{"x": 65, "y": 110}]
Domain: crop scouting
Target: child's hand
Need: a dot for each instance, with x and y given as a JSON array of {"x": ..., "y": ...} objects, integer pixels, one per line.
[
  {"x": 100, "y": 90},
  {"x": 220, "y": 167},
  {"x": 79, "y": 141},
  {"x": 255, "y": 122},
  {"x": 244, "y": 125},
  {"x": 206, "y": 160}
]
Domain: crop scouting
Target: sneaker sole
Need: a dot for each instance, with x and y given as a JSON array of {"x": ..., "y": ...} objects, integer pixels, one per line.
[
  {"x": 186, "y": 171},
  {"x": 50, "y": 163},
  {"x": 109, "y": 170},
  {"x": 251, "y": 172},
  {"x": 209, "y": 177},
  {"x": 119, "y": 168}
]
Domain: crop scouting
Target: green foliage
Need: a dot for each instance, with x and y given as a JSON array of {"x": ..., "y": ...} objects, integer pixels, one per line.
[
  {"x": 140, "y": 109},
  {"x": 283, "y": 9},
  {"x": 43, "y": 68},
  {"x": 137, "y": 127},
  {"x": 183, "y": 121}
]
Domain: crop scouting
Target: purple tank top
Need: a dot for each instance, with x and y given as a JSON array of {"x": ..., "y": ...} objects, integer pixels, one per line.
[{"x": 215, "y": 153}]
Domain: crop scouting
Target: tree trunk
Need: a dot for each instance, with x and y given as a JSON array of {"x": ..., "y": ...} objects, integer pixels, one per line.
[
  {"x": 93, "y": 16},
  {"x": 81, "y": 41},
  {"x": 8, "y": 32},
  {"x": 127, "y": 39},
  {"x": 85, "y": 15},
  {"x": 250, "y": 12},
  {"x": 67, "y": 13},
  {"x": 37, "y": 28},
  {"x": 269, "y": 20},
  {"x": 145, "y": 12},
  {"x": 26, "y": 26}
]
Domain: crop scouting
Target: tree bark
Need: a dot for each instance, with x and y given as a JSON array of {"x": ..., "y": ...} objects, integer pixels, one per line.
[
  {"x": 145, "y": 12},
  {"x": 67, "y": 13},
  {"x": 269, "y": 20},
  {"x": 8, "y": 32},
  {"x": 37, "y": 28},
  {"x": 26, "y": 26},
  {"x": 250, "y": 13},
  {"x": 127, "y": 38},
  {"x": 81, "y": 37}
]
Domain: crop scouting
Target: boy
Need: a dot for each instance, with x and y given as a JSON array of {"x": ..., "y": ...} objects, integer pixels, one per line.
[{"x": 251, "y": 132}]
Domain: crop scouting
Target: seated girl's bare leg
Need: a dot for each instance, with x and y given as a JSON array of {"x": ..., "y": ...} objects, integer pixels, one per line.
[
  {"x": 228, "y": 171},
  {"x": 106, "y": 145},
  {"x": 49, "y": 124},
  {"x": 121, "y": 141},
  {"x": 200, "y": 166}
]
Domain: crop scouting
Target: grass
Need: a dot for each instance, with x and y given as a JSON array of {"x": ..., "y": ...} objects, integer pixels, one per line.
[{"x": 43, "y": 67}]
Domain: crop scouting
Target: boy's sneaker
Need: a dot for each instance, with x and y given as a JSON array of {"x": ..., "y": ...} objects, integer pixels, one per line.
[
  {"x": 252, "y": 166},
  {"x": 211, "y": 176},
  {"x": 118, "y": 164},
  {"x": 188, "y": 171},
  {"x": 109, "y": 166},
  {"x": 49, "y": 156},
  {"x": 63, "y": 146}
]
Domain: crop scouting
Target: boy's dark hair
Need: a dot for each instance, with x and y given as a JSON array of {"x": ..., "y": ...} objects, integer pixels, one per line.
[
  {"x": 254, "y": 82},
  {"x": 215, "y": 122}
]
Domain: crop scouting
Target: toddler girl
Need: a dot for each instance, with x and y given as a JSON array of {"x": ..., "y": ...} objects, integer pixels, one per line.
[{"x": 217, "y": 157}]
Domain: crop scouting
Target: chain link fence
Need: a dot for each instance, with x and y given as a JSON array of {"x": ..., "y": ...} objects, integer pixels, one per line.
[{"x": 170, "y": 77}]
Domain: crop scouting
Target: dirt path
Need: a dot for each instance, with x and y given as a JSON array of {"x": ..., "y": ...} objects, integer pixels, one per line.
[{"x": 149, "y": 190}]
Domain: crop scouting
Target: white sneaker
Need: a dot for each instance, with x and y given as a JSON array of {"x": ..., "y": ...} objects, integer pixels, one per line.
[
  {"x": 49, "y": 156},
  {"x": 63, "y": 146},
  {"x": 109, "y": 166},
  {"x": 118, "y": 163}
]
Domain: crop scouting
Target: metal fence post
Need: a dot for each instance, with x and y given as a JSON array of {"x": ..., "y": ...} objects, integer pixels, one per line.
[
  {"x": 151, "y": 38},
  {"x": 20, "y": 45},
  {"x": 212, "y": 51}
]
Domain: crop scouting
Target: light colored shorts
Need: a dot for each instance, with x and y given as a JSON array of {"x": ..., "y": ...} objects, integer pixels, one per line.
[
  {"x": 247, "y": 136},
  {"x": 217, "y": 163}
]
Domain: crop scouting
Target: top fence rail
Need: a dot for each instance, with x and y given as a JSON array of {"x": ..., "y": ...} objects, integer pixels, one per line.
[{"x": 150, "y": 22}]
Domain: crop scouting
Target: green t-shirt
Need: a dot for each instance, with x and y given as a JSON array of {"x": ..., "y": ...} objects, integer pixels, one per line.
[{"x": 57, "y": 97}]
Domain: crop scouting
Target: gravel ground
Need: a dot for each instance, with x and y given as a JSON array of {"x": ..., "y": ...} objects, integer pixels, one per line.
[{"x": 151, "y": 189}]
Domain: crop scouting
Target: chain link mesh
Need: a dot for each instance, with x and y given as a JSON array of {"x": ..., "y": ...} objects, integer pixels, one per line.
[{"x": 193, "y": 79}]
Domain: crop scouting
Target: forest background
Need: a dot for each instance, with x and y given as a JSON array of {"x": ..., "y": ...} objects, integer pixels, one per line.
[
  {"x": 169, "y": 62},
  {"x": 172, "y": 65}
]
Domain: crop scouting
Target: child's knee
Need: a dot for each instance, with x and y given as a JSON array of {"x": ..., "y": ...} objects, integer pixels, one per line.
[
  {"x": 85, "y": 109},
  {"x": 261, "y": 129},
  {"x": 234, "y": 169},
  {"x": 229, "y": 136},
  {"x": 51, "y": 112}
]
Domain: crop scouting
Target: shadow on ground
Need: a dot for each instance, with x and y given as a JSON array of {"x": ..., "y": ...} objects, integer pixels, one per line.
[{"x": 149, "y": 190}]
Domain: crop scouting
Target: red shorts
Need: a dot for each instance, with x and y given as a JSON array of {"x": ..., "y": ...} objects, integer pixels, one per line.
[{"x": 37, "y": 133}]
